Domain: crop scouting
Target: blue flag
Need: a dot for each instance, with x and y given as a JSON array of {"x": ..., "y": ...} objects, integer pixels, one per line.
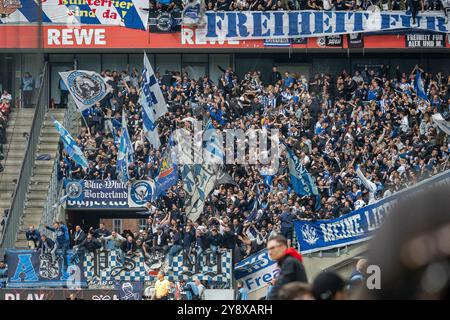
[
  {"x": 213, "y": 148},
  {"x": 418, "y": 86},
  {"x": 123, "y": 154},
  {"x": 70, "y": 146},
  {"x": 301, "y": 180},
  {"x": 168, "y": 174},
  {"x": 127, "y": 139}
]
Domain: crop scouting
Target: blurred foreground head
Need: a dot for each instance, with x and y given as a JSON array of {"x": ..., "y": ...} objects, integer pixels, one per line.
[{"x": 412, "y": 249}]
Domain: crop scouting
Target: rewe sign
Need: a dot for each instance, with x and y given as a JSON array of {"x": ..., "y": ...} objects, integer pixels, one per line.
[{"x": 76, "y": 36}]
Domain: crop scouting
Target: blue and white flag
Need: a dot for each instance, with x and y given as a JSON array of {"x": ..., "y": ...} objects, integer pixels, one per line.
[
  {"x": 70, "y": 146},
  {"x": 127, "y": 139},
  {"x": 168, "y": 174},
  {"x": 213, "y": 145},
  {"x": 198, "y": 182},
  {"x": 372, "y": 187},
  {"x": 153, "y": 103},
  {"x": 301, "y": 180},
  {"x": 127, "y": 13},
  {"x": 418, "y": 86},
  {"x": 193, "y": 13},
  {"x": 86, "y": 87},
  {"x": 123, "y": 155}
]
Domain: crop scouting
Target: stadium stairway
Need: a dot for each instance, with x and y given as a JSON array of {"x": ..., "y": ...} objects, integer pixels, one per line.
[
  {"x": 41, "y": 176},
  {"x": 17, "y": 131}
]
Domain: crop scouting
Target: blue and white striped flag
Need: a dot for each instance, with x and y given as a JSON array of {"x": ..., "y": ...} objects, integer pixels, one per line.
[
  {"x": 213, "y": 147},
  {"x": 153, "y": 103},
  {"x": 70, "y": 146},
  {"x": 418, "y": 86},
  {"x": 301, "y": 180},
  {"x": 123, "y": 154},
  {"x": 127, "y": 139}
]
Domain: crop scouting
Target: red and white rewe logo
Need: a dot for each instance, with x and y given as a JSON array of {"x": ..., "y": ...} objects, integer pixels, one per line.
[{"x": 76, "y": 36}]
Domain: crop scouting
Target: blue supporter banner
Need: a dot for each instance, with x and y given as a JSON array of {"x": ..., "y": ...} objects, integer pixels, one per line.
[
  {"x": 96, "y": 194},
  {"x": 356, "y": 226},
  {"x": 235, "y": 25},
  {"x": 256, "y": 271},
  {"x": 127, "y": 13},
  {"x": 27, "y": 269}
]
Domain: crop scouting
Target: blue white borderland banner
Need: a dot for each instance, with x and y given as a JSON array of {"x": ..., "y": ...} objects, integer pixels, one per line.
[
  {"x": 108, "y": 194},
  {"x": 256, "y": 271},
  {"x": 356, "y": 226},
  {"x": 248, "y": 25}
]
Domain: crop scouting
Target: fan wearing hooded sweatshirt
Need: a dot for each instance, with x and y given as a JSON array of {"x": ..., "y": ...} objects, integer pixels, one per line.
[{"x": 289, "y": 261}]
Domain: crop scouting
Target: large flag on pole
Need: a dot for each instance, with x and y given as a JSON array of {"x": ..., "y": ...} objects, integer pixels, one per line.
[
  {"x": 127, "y": 138},
  {"x": 86, "y": 87},
  {"x": 301, "y": 180},
  {"x": 124, "y": 152},
  {"x": 372, "y": 187},
  {"x": 418, "y": 86},
  {"x": 70, "y": 146},
  {"x": 153, "y": 103}
]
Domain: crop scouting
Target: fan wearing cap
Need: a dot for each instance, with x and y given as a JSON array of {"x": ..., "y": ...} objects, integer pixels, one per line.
[
  {"x": 328, "y": 286},
  {"x": 289, "y": 261}
]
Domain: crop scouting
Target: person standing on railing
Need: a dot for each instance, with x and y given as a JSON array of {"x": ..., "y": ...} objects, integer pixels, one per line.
[
  {"x": 62, "y": 239},
  {"x": 64, "y": 93},
  {"x": 27, "y": 89}
]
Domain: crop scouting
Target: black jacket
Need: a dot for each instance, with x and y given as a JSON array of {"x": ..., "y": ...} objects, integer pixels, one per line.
[
  {"x": 291, "y": 270},
  {"x": 49, "y": 244},
  {"x": 125, "y": 247},
  {"x": 90, "y": 246}
]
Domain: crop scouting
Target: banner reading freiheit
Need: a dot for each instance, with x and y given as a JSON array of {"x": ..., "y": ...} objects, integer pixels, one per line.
[{"x": 247, "y": 25}]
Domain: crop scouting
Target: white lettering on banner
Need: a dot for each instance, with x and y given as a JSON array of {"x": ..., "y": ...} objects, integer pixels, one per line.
[
  {"x": 246, "y": 25},
  {"x": 342, "y": 229},
  {"x": 197, "y": 37},
  {"x": 76, "y": 36},
  {"x": 30, "y": 296},
  {"x": 261, "y": 278}
]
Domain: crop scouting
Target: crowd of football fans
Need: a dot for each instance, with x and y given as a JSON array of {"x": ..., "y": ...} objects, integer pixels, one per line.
[{"x": 371, "y": 118}]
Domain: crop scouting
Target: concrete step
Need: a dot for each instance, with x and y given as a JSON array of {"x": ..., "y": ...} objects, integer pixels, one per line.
[
  {"x": 37, "y": 195},
  {"x": 7, "y": 186},
  {"x": 43, "y": 163},
  {"x": 39, "y": 187},
  {"x": 35, "y": 203},
  {"x": 43, "y": 171},
  {"x": 40, "y": 179},
  {"x": 5, "y": 204}
]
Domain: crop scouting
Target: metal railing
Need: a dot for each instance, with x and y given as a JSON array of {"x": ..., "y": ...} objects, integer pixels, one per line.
[
  {"x": 51, "y": 206},
  {"x": 16, "y": 209}
]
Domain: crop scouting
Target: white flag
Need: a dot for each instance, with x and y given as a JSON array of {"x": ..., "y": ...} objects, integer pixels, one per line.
[
  {"x": 151, "y": 94},
  {"x": 86, "y": 87},
  {"x": 153, "y": 103}
]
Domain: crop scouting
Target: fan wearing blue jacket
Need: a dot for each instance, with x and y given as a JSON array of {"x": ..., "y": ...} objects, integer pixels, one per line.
[{"x": 62, "y": 239}]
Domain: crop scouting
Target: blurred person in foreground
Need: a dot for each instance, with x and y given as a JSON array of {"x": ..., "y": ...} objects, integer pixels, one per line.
[
  {"x": 289, "y": 261},
  {"x": 328, "y": 286},
  {"x": 412, "y": 249},
  {"x": 296, "y": 291}
]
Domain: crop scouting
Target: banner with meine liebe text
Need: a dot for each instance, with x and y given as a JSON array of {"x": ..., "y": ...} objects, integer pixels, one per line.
[
  {"x": 356, "y": 226},
  {"x": 235, "y": 25},
  {"x": 127, "y": 13}
]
